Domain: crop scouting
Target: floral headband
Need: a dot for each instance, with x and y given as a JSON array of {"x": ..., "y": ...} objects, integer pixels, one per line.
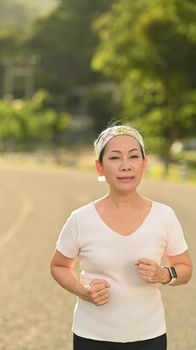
[{"x": 116, "y": 130}]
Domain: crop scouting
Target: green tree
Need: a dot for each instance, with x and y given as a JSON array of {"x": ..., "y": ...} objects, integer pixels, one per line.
[
  {"x": 103, "y": 105},
  {"x": 14, "y": 20},
  {"x": 27, "y": 124},
  {"x": 66, "y": 42},
  {"x": 63, "y": 43},
  {"x": 149, "y": 48}
]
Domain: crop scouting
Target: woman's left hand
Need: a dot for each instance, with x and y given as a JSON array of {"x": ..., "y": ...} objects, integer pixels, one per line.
[{"x": 152, "y": 272}]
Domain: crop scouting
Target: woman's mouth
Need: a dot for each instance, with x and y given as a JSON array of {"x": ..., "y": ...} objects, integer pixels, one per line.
[{"x": 126, "y": 178}]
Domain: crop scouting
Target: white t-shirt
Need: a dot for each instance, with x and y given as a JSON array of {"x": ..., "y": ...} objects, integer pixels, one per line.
[{"x": 134, "y": 311}]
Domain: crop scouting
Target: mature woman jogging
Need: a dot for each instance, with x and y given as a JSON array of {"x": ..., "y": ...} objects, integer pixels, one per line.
[{"x": 120, "y": 240}]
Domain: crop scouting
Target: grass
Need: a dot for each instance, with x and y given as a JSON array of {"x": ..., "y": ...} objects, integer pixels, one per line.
[{"x": 175, "y": 173}]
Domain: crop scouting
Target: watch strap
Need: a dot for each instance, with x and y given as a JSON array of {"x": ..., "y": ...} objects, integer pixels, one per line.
[{"x": 173, "y": 274}]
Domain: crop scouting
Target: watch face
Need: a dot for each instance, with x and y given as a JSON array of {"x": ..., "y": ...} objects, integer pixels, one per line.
[{"x": 173, "y": 272}]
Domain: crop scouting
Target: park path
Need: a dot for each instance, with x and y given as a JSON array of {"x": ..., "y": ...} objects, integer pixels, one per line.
[{"x": 35, "y": 313}]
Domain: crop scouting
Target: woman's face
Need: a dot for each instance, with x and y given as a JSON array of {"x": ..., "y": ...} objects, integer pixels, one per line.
[{"x": 122, "y": 164}]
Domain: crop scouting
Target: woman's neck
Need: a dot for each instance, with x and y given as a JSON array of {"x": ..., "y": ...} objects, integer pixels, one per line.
[{"x": 124, "y": 200}]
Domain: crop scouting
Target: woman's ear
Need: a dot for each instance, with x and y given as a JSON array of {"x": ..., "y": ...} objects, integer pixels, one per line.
[
  {"x": 99, "y": 168},
  {"x": 100, "y": 172},
  {"x": 145, "y": 163}
]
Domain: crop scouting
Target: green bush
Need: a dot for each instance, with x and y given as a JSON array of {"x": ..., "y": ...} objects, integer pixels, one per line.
[{"x": 24, "y": 124}]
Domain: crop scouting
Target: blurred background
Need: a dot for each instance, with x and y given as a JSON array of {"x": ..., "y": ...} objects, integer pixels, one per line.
[{"x": 68, "y": 68}]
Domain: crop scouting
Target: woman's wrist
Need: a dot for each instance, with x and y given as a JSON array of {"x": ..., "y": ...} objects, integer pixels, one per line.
[
  {"x": 83, "y": 292},
  {"x": 165, "y": 278}
]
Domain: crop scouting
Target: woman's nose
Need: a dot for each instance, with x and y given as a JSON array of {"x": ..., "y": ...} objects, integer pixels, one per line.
[{"x": 125, "y": 164}]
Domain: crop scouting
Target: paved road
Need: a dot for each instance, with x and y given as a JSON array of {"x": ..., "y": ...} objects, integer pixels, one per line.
[{"x": 35, "y": 313}]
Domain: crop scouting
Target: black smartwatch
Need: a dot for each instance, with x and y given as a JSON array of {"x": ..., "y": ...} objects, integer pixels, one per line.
[{"x": 173, "y": 274}]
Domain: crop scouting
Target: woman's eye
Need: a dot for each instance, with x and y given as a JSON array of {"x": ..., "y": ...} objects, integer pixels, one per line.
[
  {"x": 131, "y": 157},
  {"x": 135, "y": 156}
]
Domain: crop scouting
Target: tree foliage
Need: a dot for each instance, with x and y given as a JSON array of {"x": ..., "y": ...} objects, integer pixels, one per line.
[
  {"x": 63, "y": 44},
  {"x": 66, "y": 42},
  {"x": 149, "y": 48},
  {"x": 28, "y": 124}
]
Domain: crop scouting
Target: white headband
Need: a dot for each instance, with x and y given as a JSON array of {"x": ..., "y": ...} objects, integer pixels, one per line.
[{"x": 116, "y": 130}]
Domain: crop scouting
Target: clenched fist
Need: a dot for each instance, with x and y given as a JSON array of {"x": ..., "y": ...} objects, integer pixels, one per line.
[
  {"x": 152, "y": 272},
  {"x": 97, "y": 292}
]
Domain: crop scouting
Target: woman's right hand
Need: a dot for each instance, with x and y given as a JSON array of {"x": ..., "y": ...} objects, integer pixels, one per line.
[{"x": 97, "y": 292}]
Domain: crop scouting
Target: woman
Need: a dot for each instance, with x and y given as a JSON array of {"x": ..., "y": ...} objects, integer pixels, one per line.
[{"x": 120, "y": 240}]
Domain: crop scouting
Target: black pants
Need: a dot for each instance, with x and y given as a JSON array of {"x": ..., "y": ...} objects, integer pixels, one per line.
[{"x": 159, "y": 343}]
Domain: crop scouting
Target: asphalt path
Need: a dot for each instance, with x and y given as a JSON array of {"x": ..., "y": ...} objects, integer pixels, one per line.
[{"x": 36, "y": 313}]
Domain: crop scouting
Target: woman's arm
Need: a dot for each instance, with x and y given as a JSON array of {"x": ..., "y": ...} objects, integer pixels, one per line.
[
  {"x": 62, "y": 270},
  {"x": 183, "y": 266}
]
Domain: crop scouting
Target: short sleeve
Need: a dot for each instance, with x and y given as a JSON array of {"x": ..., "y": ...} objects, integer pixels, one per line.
[
  {"x": 176, "y": 243},
  {"x": 67, "y": 243}
]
